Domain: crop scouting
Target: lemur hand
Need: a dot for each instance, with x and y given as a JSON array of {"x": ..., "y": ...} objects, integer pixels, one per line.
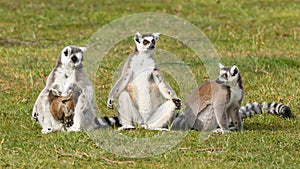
[
  {"x": 110, "y": 103},
  {"x": 177, "y": 102}
]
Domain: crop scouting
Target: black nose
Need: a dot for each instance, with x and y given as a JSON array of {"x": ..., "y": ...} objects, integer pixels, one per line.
[
  {"x": 151, "y": 46},
  {"x": 74, "y": 59}
]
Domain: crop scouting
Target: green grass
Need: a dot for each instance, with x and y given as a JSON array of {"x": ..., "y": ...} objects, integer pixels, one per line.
[{"x": 261, "y": 38}]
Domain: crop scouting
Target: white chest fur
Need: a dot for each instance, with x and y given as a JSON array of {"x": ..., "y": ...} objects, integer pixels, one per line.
[
  {"x": 63, "y": 79},
  {"x": 235, "y": 95},
  {"x": 141, "y": 64}
]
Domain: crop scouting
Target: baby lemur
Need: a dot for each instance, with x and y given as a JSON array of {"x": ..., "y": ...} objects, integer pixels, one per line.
[
  {"x": 141, "y": 87},
  {"x": 62, "y": 107},
  {"x": 214, "y": 104}
]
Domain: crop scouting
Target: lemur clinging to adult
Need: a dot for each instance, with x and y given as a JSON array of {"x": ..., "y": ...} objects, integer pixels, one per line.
[
  {"x": 62, "y": 107},
  {"x": 68, "y": 72},
  {"x": 215, "y": 105},
  {"x": 141, "y": 87}
]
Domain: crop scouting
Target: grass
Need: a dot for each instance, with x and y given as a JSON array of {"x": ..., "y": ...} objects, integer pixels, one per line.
[{"x": 260, "y": 37}]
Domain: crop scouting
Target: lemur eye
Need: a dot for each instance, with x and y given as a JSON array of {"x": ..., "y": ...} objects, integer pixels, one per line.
[
  {"x": 225, "y": 76},
  {"x": 145, "y": 42},
  {"x": 153, "y": 41}
]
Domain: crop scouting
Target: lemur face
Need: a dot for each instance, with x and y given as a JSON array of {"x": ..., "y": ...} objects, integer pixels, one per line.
[
  {"x": 72, "y": 56},
  {"x": 229, "y": 74},
  {"x": 146, "y": 42}
]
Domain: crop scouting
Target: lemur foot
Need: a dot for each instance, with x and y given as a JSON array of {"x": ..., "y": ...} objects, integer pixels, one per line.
[
  {"x": 126, "y": 127},
  {"x": 35, "y": 117},
  {"x": 110, "y": 103},
  {"x": 74, "y": 128},
  {"x": 219, "y": 130},
  {"x": 235, "y": 129},
  {"x": 47, "y": 130},
  {"x": 153, "y": 128},
  {"x": 68, "y": 122}
]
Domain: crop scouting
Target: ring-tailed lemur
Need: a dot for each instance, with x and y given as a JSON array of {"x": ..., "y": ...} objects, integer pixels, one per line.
[
  {"x": 67, "y": 72},
  {"x": 140, "y": 88},
  {"x": 278, "y": 109},
  {"x": 202, "y": 110},
  {"x": 246, "y": 111},
  {"x": 213, "y": 104},
  {"x": 62, "y": 107}
]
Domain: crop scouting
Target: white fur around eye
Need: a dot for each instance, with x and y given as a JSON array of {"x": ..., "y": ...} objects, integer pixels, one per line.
[
  {"x": 222, "y": 72},
  {"x": 149, "y": 38},
  {"x": 144, "y": 47}
]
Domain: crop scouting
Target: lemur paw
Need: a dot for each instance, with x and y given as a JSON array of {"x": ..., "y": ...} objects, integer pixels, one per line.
[
  {"x": 35, "y": 117},
  {"x": 68, "y": 122},
  {"x": 236, "y": 129},
  {"x": 144, "y": 126},
  {"x": 177, "y": 103},
  {"x": 110, "y": 104},
  {"x": 160, "y": 129},
  {"x": 154, "y": 128},
  {"x": 47, "y": 130},
  {"x": 126, "y": 127},
  {"x": 219, "y": 130},
  {"x": 74, "y": 129}
]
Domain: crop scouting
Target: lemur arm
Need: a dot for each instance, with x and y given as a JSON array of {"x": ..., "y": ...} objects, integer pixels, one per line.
[
  {"x": 163, "y": 86},
  {"x": 121, "y": 84}
]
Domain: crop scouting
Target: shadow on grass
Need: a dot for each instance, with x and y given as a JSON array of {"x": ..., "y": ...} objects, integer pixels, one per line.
[{"x": 256, "y": 126}]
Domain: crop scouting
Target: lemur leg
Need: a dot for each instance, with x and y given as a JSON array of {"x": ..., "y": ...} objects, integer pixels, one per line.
[
  {"x": 127, "y": 112},
  {"x": 221, "y": 116},
  {"x": 84, "y": 115},
  {"x": 78, "y": 114},
  {"x": 236, "y": 118},
  {"x": 206, "y": 120},
  {"x": 45, "y": 117},
  {"x": 161, "y": 116}
]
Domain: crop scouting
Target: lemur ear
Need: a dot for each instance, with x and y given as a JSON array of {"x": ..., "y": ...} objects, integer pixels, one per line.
[
  {"x": 137, "y": 37},
  {"x": 234, "y": 70},
  {"x": 66, "y": 51},
  {"x": 83, "y": 49},
  {"x": 156, "y": 35},
  {"x": 220, "y": 65}
]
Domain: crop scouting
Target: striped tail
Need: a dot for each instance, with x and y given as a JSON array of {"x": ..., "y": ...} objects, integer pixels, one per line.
[
  {"x": 278, "y": 109},
  {"x": 109, "y": 121},
  {"x": 250, "y": 109}
]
